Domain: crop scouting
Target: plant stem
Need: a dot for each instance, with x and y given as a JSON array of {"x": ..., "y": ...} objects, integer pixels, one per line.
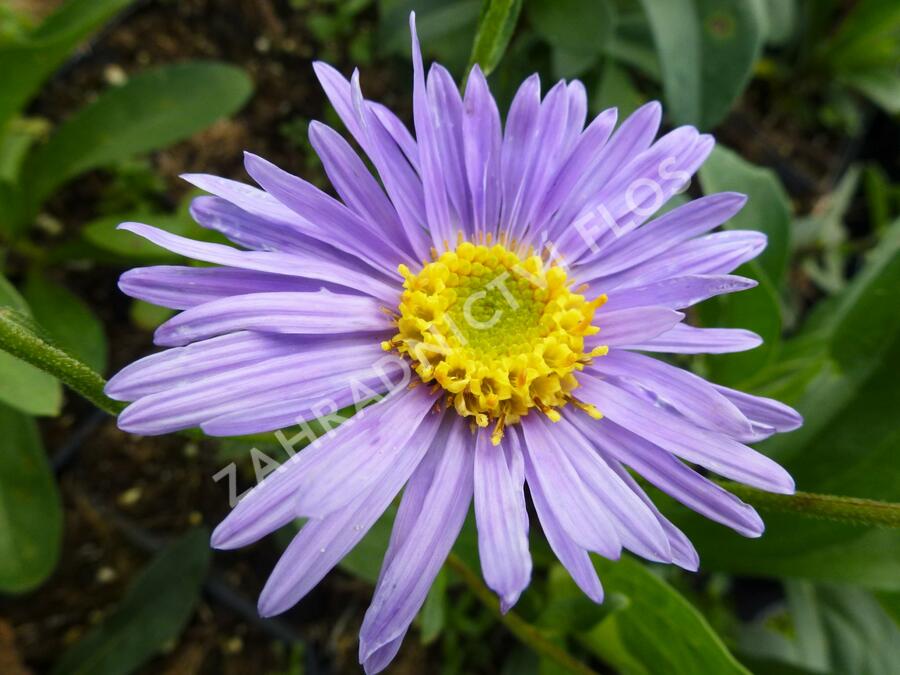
[
  {"x": 21, "y": 338},
  {"x": 831, "y": 507},
  {"x": 524, "y": 631}
]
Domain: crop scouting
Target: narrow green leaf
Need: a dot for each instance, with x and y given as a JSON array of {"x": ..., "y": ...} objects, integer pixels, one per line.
[
  {"x": 30, "y": 506},
  {"x": 495, "y": 27},
  {"x": 706, "y": 50},
  {"x": 153, "y": 109},
  {"x": 434, "y": 611},
  {"x": 23, "y": 386},
  {"x": 154, "y": 612},
  {"x": 577, "y": 26},
  {"x": 27, "y": 62},
  {"x": 656, "y": 630},
  {"x": 68, "y": 321}
]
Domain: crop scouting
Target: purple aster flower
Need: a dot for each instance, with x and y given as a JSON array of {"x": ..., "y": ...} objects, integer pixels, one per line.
[{"x": 509, "y": 349}]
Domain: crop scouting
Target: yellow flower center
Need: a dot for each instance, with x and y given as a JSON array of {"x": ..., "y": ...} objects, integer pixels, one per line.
[{"x": 500, "y": 333}]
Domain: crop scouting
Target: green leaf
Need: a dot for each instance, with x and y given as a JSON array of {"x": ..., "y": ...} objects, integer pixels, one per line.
[
  {"x": 829, "y": 629},
  {"x": 434, "y": 611},
  {"x": 759, "y": 309},
  {"x": 103, "y": 234},
  {"x": 30, "y": 506},
  {"x": 495, "y": 27},
  {"x": 706, "y": 50},
  {"x": 23, "y": 386},
  {"x": 154, "y": 612},
  {"x": 27, "y": 62},
  {"x": 68, "y": 321},
  {"x": 616, "y": 90},
  {"x": 657, "y": 630},
  {"x": 768, "y": 208},
  {"x": 881, "y": 85},
  {"x": 847, "y": 445},
  {"x": 153, "y": 109},
  {"x": 578, "y": 26}
]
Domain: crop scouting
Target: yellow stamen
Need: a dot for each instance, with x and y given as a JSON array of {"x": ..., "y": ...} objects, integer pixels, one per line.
[{"x": 500, "y": 332}]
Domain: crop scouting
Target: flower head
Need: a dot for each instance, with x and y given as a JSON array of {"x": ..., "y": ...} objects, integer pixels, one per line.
[{"x": 493, "y": 291}]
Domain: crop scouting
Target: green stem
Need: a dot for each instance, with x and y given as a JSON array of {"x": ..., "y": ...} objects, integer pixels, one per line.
[
  {"x": 524, "y": 631},
  {"x": 21, "y": 338},
  {"x": 867, "y": 512}
]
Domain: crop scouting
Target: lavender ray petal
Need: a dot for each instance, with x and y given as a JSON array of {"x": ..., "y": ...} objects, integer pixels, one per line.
[
  {"x": 502, "y": 541},
  {"x": 173, "y": 367},
  {"x": 638, "y": 527},
  {"x": 518, "y": 139},
  {"x": 683, "y": 552},
  {"x": 338, "y": 224},
  {"x": 398, "y": 131},
  {"x": 719, "y": 253},
  {"x": 716, "y": 452},
  {"x": 270, "y": 505},
  {"x": 579, "y": 512},
  {"x": 482, "y": 139},
  {"x": 288, "y": 264},
  {"x": 638, "y": 324},
  {"x": 320, "y": 313},
  {"x": 673, "y": 477},
  {"x": 180, "y": 287},
  {"x": 322, "y": 543},
  {"x": 431, "y": 169},
  {"x": 410, "y": 572},
  {"x": 764, "y": 411},
  {"x": 447, "y": 107},
  {"x": 189, "y": 404},
  {"x": 353, "y": 182},
  {"x": 659, "y": 236},
  {"x": 684, "y": 339},
  {"x": 677, "y": 292},
  {"x": 573, "y": 557},
  {"x": 692, "y": 396}
]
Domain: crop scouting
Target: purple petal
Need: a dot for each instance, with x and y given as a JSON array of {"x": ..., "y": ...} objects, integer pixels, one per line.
[
  {"x": 288, "y": 264},
  {"x": 337, "y": 224},
  {"x": 766, "y": 411},
  {"x": 352, "y": 180},
  {"x": 309, "y": 372},
  {"x": 683, "y": 552},
  {"x": 398, "y": 131},
  {"x": 716, "y": 452},
  {"x": 684, "y": 339},
  {"x": 182, "y": 365},
  {"x": 573, "y": 557},
  {"x": 692, "y": 396},
  {"x": 638, "y": 324},
  {"x": 719, "y": 253},
  {"x": 431, "y": 163},
  {"x": 321, "y": 544},
  {"x": 271, "y": 504},
  {"x": 482, "y": 138},
  {"x": 584, "y": 155},
  {"x": 447, "y": 107},
  {"x": 672, "y": 477},
  {"x": 518, "y": 140},
  {"x": 410, "y": 572},
  {"x": 185, "y": 287},
  {"x": 677, "y": 292},
  {"x": 321, "y": 313},
  {"x": 579, "y": 512},
  {"x": 637, "y": 526},
  {"x": 661, "y": 235},
  {"x": 499, "y": 514}
]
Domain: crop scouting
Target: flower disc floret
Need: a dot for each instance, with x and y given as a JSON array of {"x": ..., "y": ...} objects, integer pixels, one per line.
[{"x": 499, "y": 332}]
